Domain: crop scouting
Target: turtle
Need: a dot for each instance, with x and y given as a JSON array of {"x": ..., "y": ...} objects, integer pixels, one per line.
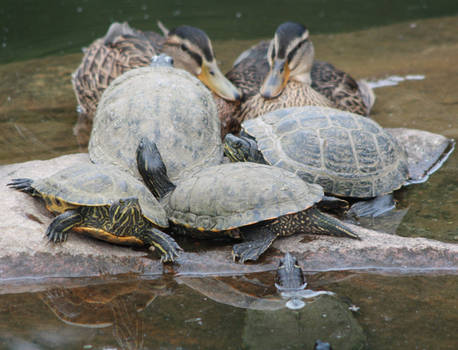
[
  {"x": 164, "y": 103},
  {"x": 347, "y": 154},
  {"x": 289, "y": 274},
  {"x": 255, "y": 202},
  {"x": 104, "y": 202}
]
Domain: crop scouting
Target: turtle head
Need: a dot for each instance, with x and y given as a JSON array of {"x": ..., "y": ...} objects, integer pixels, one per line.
[
  {"x": 152, "y": 168},
  {"x": 290, "y": 56},
  {"x": 192, "y": 51},
  {"x": 125, "y": 213},
  {"x": 289, "y": 273},
  {"x": 242, "y": 149}
]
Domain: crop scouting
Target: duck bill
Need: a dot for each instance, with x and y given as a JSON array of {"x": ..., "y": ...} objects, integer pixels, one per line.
[
  {"x": 276, "y": 80},
  {"x": 212, "y": 77}
]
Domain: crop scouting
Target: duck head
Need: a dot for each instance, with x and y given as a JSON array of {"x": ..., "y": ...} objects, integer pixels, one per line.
[
  {"x": 192, "y": 50},
  {"x": 290, "y": 56}
]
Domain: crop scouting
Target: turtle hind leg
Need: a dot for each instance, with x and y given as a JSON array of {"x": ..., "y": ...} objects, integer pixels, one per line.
[
  {"x": 58, "y": 229},
  {"x": 257, "y": 241},
  {"x": 168, "y": 248},
  {"x": 315, "y": 222}
]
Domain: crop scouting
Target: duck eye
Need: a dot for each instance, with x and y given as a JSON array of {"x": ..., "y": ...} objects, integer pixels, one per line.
[{"x": 212, "y": 73}]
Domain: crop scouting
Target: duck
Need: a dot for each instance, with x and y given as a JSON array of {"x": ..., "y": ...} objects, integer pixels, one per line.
[
  {"x": 124, "y": 48},
  {"x": 283, "y": 73}
]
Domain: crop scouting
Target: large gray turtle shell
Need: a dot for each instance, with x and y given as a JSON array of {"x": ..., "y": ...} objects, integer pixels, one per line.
[
  {"x": 237, "y": 194},
  {"x": 167, "y": 105},
  {"x": 96, "y": 185},
  {"x": 347, "y": 154}
]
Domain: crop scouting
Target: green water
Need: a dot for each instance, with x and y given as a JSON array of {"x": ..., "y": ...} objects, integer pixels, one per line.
[
  {"x": 40, "y": 28},
  {"x": 241, "y": 312},
  {"x": 40, "y": 46}
]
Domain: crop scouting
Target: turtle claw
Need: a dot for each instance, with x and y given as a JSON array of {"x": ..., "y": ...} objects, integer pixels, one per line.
[
  {"x": 258, "y": 240},
  {"x": 171, "y": 254},
  {"x": 247, "y": 251},
  {"x": 58, "y": 229},
  {"x": 56, "y": 236},
  {"x": 166, "y": 245}
]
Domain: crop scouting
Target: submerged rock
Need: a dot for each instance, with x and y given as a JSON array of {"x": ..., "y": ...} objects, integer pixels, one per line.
[{"x": 25, "y": 252}]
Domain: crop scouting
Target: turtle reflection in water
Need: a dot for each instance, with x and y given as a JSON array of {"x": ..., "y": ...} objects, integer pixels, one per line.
[
  {"x": 105, "y": 203},
  {"x": 251, "y": 201},
  {"x": 111, "y": 304},
  {"x": 268, "y": 324}
]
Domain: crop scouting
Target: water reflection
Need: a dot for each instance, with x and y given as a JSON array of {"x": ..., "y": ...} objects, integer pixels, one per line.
[
  {"x": 100, "y": 306},
  {"x": 131, "y": 315},
  {"x": 232, "y": 312},
  {"x": 103, "y": 306}
]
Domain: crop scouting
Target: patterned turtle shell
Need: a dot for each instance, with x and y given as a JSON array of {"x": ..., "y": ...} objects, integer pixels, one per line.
[
  {"x": 89, "y": 184},
  {"x": 232, "y": 195},
  {"x": 348, "y": 155},
  {"x": 165, "y": 104}
]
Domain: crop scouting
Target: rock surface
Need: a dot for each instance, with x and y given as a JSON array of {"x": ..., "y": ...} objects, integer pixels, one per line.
[{"x": 26, "y": 253}]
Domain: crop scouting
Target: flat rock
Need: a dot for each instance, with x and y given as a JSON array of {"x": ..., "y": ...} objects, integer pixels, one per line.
[{"x": 25, "y": 252}]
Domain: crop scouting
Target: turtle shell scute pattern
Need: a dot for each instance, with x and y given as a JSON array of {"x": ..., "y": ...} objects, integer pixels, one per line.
[
  {"x": 167, "y": 105},
  {"x": 90, "y": 184},
  {"x": 232, "y": 195},
  {"x": 347, "y": 154}
]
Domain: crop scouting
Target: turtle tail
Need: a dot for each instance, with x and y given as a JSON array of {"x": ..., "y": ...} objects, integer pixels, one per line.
[
  {"x": 23, "y": 185},
  {"x": 323, "y": 224}
]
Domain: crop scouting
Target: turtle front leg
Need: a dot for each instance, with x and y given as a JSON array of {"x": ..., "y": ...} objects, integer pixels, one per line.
[
  {"x": 258, "y": 240},
  {"x": 168, "y": 248},
  {"x": 58, "y": 229}
]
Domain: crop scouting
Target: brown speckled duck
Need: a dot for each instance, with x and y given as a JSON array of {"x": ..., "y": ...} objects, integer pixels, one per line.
[
  {"x": 124, "y": 48},
  {"x": 285, "y": 74}
]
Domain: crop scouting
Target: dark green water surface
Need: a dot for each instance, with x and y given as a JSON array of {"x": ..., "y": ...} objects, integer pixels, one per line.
[
  {"x": 32, "y": 28},
  {"x": 40, "y": 46}
]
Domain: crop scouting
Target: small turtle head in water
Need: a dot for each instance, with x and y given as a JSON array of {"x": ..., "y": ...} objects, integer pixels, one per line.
[{"x": 289, "y": 274}]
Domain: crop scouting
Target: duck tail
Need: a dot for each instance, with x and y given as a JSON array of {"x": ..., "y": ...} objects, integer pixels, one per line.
[
  {"x": 116, "y": 30},
  {"x": 367, "y": 94},
  {"x": 163, "y": 28}
]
